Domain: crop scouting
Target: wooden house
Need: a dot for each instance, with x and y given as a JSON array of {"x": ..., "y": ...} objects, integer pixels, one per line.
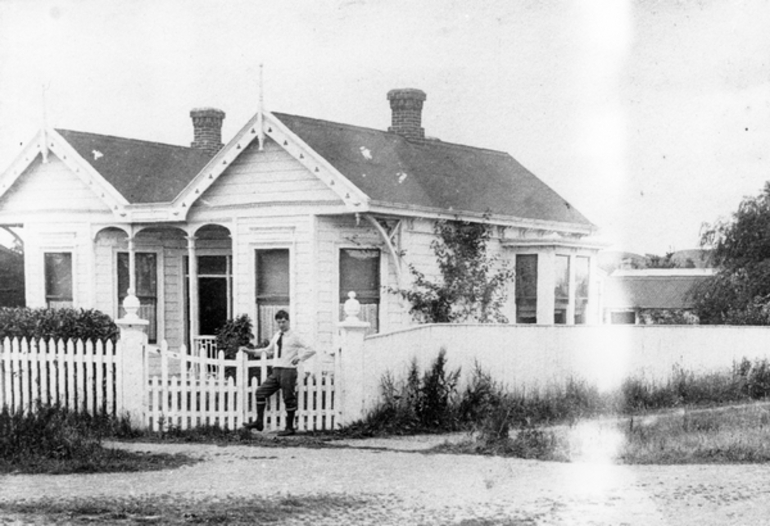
[{"x": 292, "y": 213}]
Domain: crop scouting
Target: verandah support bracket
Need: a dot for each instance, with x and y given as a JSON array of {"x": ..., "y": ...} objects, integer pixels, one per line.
[{"x": 387, "y": 237}]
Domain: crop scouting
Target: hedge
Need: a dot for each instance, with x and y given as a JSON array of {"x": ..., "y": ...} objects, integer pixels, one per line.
[{"x": 57, "y": 324}]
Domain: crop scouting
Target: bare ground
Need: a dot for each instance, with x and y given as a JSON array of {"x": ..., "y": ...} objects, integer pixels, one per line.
[{"x": 404, "y": 485}]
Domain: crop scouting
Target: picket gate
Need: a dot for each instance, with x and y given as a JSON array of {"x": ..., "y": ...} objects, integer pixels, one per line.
[
  {"x": 80, "y": 376},
  {"x": 210, "y": 391}
]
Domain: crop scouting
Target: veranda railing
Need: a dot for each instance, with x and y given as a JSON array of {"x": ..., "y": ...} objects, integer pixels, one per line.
[{"x": 205, "y": 346}]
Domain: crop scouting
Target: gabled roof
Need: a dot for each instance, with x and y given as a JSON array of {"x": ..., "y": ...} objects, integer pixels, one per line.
[
  {"x": 652, "y": 291},
  {"x": 373, "y": 169},
  {"x": 430, "y": 174},
  {"x": 142, "y": 171}
]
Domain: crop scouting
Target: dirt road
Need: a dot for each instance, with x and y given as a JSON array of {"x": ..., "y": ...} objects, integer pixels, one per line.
[{"x": 408, "y": 486}]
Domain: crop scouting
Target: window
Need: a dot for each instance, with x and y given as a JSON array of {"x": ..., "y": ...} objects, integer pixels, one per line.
[
  {"x": 561, "y": 290},
  {"x": 360, "y": 273},
  {"x": 526, "y": 288},
  {"x": 623, "y": 318},
  {"x": 146, "y": 288},
  {"x": 58, "y": 279},
  {"x": 214, "y": 292},
  {"x": 272, "y": 293},
  {"x": 582, "y": 280}
]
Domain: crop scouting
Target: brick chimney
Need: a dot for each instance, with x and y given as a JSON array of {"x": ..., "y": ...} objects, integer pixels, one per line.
[
  {"x": 207, "y": 127},
  {"x": 406, "y": 105}
]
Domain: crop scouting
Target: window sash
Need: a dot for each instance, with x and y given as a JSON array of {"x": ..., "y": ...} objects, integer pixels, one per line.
[
  {"x": 146, "y": 267},
  {"x": 273, "y": 275},
  {"x": 623, "y": 318},
  {"x": 561, "y": 270},
  {"x": 360, "y": 273},
  {"x": 582, "y": 276},
  {"x": 58, "y": 279},
  {"x": 526, "y": 288}
]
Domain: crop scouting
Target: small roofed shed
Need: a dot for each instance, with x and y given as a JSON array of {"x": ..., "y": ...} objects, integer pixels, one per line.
[{"x": 651, "y": 289}]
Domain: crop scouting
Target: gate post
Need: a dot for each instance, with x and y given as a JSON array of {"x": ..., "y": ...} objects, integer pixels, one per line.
[
  {"x": 351, "y": 364},
  {"x": 242, "y": 385},
  {"x": 131, "y": 350}
]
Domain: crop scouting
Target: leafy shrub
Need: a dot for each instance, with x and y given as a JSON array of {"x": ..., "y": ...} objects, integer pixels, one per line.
[
  {"x": 57, "y": 324},
  {"x": 236, "y": 332}
]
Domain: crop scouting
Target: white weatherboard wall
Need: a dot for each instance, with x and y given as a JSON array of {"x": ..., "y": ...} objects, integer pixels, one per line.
[{"x": 531, "y": 356}]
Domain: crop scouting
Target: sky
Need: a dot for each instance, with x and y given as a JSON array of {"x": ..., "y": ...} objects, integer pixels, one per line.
[{"x": 650, "y": 117}]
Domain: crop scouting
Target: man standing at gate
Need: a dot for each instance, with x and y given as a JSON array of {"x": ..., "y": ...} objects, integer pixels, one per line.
[{"x": 287, "y": 351}]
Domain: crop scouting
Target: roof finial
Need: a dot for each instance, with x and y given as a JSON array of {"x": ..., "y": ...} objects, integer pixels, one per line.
[
  {"x": 260, "y": 111},
  {"x": 43, "y": 138}
]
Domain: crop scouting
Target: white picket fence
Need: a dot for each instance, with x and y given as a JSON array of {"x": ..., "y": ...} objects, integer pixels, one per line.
[
  {"x": 190, "y": 390},
  {"x": 208, "y": 391},
  {"x": 80, "y": 376}
]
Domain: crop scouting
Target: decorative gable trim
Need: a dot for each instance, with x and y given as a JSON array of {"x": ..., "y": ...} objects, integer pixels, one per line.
[
  {"x": 266, "y": 124},
  {"x": 49, "y": 141},
  {"x": 21, "y": 163}
]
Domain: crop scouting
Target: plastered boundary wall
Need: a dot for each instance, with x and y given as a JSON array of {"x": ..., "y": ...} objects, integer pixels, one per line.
[{"x": 534, "y": 356}]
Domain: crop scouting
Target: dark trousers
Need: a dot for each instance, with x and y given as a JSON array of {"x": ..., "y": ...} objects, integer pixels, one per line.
[{"x": 283, "y": 378}]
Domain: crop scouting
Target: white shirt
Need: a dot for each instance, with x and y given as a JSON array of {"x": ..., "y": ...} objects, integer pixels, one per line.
[{"x": 292, "y": 347}]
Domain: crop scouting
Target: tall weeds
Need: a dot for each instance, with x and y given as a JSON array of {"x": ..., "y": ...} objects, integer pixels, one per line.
[
  {"x": 421, "y": 403},
  {"x": 431, "y": 402}
]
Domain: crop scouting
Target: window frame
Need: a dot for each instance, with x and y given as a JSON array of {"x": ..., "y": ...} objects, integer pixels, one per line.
[
  {"x": 610, "y": 313},
  {"x": 561, "y": 304},
  {"x": 536, "y": 256},
  {"x": 382, "y": 269},
  {"x": 587, "y": 297},
  {"x": 73, "y": 276},
  {"x": 254, "y": 249},
  {"x": 184, "y": 271},
  {"x": 159, "y": 304}
]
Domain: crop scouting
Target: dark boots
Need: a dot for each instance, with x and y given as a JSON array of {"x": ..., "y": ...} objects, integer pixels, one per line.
[
  {"x": 289, "y": 425},
  {"x": 259, "y": 423}
]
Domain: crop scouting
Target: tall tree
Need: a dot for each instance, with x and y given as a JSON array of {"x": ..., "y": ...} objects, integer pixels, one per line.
[
  {"x": 472, "y": 286},
  {"x": 739, "y": 294}
]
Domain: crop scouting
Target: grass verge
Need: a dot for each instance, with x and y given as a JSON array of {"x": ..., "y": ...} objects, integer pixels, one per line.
[
  {"x": 173, "y": 510},
  {"x": 722, "y": 435},
  {"x": 54, "y": 440}
]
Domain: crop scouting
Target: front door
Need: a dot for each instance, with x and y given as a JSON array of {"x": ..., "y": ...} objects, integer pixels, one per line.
[
  {"x": 212, "y": 295},
  {"x": 214, "y": 292}
]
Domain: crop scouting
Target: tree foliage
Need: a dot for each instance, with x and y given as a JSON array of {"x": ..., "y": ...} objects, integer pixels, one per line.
[
  {"x": 739, "y": 294},
  {"x": 472, "y": 284}
]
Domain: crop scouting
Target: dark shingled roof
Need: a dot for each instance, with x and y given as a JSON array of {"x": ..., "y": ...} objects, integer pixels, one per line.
[
  {"x": 432, "y": 174},
  {"x": 391, "y": 170},
  {"x": 650, "y": 292},
  {"x": 142, "y": 171}
]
